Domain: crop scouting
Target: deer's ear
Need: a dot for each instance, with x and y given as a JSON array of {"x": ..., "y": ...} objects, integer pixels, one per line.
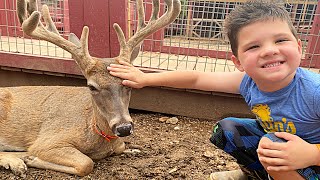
[
  {"x": 74, "y": 39},
  {"x": 135, "y": 52}
]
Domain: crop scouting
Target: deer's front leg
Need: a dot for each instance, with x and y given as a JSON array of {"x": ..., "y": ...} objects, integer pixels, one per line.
[{"x": 66, "y": 159}]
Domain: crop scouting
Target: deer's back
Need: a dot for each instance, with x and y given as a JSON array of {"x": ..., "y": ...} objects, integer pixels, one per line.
[{"x": 26, "y": 111}]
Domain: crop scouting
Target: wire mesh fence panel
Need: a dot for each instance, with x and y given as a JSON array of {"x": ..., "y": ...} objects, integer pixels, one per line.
[
  {"x": 195, "y": 41},
  {"x": 12, "y": 38}
]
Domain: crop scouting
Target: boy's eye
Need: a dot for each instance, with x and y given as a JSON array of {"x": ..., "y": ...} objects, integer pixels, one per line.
[
  {"x": 252, "y": 47},
  {"x": 281, "y": 40}
]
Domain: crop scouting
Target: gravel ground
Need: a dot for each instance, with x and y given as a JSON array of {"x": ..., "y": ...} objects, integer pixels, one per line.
[{"x": 178, "y": 148}]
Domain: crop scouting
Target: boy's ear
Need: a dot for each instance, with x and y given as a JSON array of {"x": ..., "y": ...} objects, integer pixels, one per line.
[
  {"x": 237, "y": 63},
  {"x": 300, "y": 46}
]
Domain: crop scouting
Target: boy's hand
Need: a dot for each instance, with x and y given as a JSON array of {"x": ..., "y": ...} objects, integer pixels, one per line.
[
  {"x": 291, "y": 155},
  {"x": 132, "y": 76}
]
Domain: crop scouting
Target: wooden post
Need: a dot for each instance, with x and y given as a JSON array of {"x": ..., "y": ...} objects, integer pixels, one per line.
[
  {"x": 312, "y": 58},
  {"x": 117, "y": 14},
  {"x": 95, "y": 15}
]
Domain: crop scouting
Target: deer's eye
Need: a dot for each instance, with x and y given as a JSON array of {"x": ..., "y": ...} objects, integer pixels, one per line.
[
  {"x": 92, "y": 88},
  {"x": 127, "y": 88}
]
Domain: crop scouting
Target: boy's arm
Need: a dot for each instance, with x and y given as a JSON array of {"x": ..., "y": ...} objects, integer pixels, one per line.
[
  {"x": 208, "y": 81},
  {"x": 228, "y": 82}
]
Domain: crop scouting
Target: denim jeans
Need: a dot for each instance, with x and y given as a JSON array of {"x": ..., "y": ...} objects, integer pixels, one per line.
[{"x": 240, "y": 137}]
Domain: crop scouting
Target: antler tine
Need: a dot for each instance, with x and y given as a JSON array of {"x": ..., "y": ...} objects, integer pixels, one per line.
[
  {"x": 141, "y": 24},
  {"x": 155, "y": 10},
  {"x": 32, "y": 6},
  {"x": 24, "y": 7},
  {"x": 141, "y": 21},
  {"x": 173, "y": 10},
  {"x": 33, "y": 27},
  {"x": 47, "y": 19},
  {"x": 22, "y": 10}
]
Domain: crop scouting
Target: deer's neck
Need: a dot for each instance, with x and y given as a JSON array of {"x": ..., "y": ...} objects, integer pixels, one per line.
[{"x": 100, "y": 123}]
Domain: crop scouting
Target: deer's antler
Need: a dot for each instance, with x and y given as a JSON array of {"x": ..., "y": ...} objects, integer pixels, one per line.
[
  {"x": 144, "y": 30},
  {"x": 33, "y": 27}
]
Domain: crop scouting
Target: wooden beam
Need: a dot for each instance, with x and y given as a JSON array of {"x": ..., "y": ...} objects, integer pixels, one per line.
[
  {"x": 287, "y": 1},
  {"x": 314, "y": 2}
]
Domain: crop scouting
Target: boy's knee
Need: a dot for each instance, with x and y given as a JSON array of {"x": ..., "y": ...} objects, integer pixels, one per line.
[
  {"x": 228, "y": 134},
  {"x": 218, "y": 136},
  {"x": 227, "y": 124},
  {"x": 274, "y": 138}
]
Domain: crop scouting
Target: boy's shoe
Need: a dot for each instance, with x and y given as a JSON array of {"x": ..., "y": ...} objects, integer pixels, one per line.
[{"x": 228, "y": 175}]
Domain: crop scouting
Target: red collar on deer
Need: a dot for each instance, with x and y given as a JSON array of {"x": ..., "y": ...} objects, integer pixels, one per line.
[{"x": 103, "y": 134}]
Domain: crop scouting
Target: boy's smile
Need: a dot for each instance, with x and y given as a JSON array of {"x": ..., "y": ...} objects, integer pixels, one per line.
[
  {"x": 273, "y": 64},
  {"x": 269, "y": 53}
]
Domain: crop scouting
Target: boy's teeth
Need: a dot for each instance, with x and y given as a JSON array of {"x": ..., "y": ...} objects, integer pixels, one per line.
[{"x": 272, "y": 65}]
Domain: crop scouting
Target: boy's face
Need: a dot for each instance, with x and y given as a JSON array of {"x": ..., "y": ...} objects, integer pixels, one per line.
[{"x": 269, "y": 53}]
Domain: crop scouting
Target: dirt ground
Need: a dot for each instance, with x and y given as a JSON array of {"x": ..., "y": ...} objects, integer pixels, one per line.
[{"x": 157, "y": 150}]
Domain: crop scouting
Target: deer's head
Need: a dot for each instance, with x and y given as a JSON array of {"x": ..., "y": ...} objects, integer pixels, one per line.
[{"x": 110, "y": 98}]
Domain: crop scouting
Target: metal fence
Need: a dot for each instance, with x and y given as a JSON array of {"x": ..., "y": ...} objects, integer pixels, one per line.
[
  {"x": 12, "y": 38},
  {"x": 195, "y": 41}
]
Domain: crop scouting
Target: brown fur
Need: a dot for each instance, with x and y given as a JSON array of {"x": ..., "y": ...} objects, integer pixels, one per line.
[
  {"x": 55, "y": 127},
  {"x": 5, "y": 104}
]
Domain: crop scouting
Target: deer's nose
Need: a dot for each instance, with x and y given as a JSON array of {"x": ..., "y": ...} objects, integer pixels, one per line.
[{"x": 124, "y": 130}]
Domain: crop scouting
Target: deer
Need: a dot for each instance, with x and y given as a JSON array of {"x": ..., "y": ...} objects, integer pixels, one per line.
[{"x": 66, "y": 129}]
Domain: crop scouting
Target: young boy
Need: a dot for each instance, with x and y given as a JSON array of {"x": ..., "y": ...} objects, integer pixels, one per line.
[{"x": 283, "y": 141}]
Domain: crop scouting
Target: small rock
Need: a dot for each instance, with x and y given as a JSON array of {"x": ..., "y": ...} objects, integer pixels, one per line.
[
  {"x": 163, "y": 119},
  {"x": 232, "y": 165},
  {"x": 220, "y": 167},
  {"x": 213, "y": 162},
  {"x": 221, "y": 162},
  {"x": 175, "y": 142},
  {"x": 173, "y": 170},
  {"x": 131, "y": 151},
  {"x": 208, "y": 154},
  {"x": 172, "y": 120},
  {"x": 176, "y": 128},
  {"x": 134, "y": 146}
]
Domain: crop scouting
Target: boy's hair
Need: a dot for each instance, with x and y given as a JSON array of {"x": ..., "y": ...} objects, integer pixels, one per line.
[{"x": 253, "y": 11}]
